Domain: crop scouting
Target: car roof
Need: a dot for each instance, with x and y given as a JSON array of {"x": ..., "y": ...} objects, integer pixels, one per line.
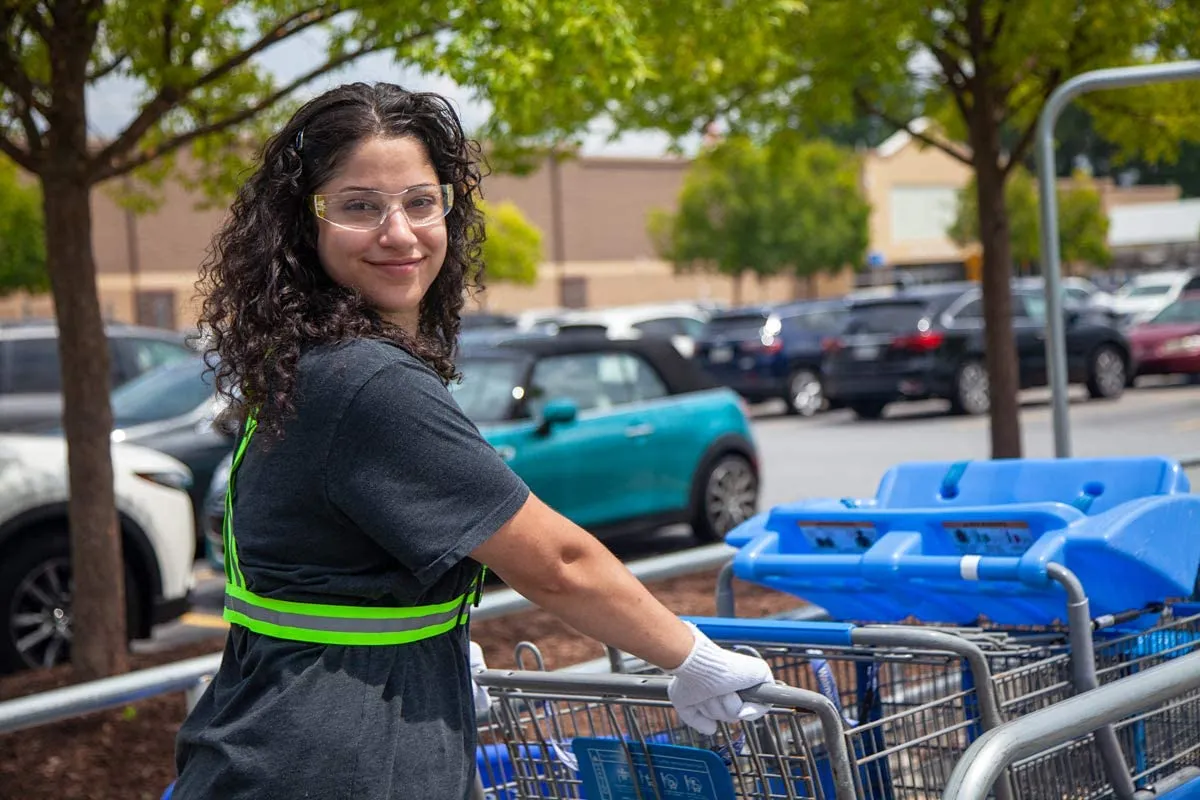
[
  {"x": 48, "y": 328},
  {"x": 680, "y": 374},
  {"x": 927, "y": 293}
]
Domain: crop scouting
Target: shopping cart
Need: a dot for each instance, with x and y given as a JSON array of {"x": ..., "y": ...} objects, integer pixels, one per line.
[
  {"x": 617, "y": 737},
  {"x": 1164, "y": 701},
  {"x": 914, "y": 698},
  {"x": 1005, "y": 543}
]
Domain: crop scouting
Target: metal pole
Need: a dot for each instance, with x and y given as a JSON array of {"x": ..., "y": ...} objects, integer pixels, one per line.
[{"x": 1056, "y": 342}]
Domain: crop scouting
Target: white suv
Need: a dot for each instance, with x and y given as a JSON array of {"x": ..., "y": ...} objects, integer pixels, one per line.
[{"x": 158, "y": 537}]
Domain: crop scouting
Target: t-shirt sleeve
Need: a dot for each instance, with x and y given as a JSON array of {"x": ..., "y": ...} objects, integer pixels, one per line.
[{"x": 414, "y": 473}]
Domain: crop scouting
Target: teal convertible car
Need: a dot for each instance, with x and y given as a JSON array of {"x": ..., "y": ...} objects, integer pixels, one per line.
[
  {"x": 618, "y": 436},
  {"x": 614, "y": 434}
]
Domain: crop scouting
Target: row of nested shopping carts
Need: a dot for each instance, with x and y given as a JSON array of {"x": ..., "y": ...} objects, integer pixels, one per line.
[{"x": 1011, "y": 629}]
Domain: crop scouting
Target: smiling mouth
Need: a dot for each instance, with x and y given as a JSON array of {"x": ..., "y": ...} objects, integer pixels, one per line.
[{"x": 397, "y": 268}]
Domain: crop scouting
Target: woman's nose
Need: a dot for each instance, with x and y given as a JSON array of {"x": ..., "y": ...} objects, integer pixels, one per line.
[{"x": 396, "y": 229}]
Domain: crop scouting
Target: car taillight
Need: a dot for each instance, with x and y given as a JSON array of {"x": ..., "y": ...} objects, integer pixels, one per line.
[
  {"x": 831, "y": 345},
  {"x": 923, "y": 342},
  {"x": 765, "y": 344}
]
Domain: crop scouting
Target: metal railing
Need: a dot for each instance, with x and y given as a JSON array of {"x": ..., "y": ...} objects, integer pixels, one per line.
[{"x": 192, "y": 675}]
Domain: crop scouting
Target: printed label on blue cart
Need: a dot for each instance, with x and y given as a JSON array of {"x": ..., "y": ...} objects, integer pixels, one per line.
[
  {"x": 614, "y": 770},
  {"x": 1010, "y": 538},
  {"x": 839, "y": 537}
]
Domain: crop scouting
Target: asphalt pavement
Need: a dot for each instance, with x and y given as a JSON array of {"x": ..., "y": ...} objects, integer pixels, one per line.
[{"x": 835, "y": 454}]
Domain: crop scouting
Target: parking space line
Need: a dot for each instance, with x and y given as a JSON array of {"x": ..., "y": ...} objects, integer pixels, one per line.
[{"x": 201, "y": 620}]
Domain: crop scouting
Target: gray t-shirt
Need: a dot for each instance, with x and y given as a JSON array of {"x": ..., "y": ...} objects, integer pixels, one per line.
[{"x": 375, "y": 496}]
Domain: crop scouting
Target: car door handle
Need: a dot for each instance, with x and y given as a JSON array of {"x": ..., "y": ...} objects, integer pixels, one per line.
[
  {"x": 506, "y": 452},
  {"x": 638, "y": 431}
]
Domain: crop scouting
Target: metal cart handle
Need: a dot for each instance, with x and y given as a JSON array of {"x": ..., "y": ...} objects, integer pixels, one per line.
[
  {"x": 654, "y": 687},
  {"x": 996, "y": 749}
]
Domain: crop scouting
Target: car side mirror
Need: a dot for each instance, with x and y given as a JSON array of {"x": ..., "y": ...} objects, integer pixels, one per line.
[{"x": 558, "y": 411}]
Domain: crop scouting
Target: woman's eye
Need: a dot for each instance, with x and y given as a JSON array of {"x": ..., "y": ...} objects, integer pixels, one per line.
[{"x": 359, "y": 205}]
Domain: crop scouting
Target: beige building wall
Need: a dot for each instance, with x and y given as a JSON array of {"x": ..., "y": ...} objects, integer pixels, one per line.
[
  {"x": 912, "y": 189},
  {"x": 147, "y": 265}
]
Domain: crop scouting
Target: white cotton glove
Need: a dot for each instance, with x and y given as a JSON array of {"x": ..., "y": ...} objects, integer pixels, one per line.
[
  {"x": 483, "y": 700},
  {"x": 704, "y": 688}
]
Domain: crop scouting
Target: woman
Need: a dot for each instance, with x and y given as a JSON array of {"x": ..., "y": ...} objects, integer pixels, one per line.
[{"x": 362, "y": 502}]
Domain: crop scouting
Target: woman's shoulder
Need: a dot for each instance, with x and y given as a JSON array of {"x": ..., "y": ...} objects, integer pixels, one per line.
[{"x": 358, "y": 360}]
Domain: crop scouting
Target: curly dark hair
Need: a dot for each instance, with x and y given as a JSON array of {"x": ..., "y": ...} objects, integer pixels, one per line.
[{"x": 267, "y": 297}]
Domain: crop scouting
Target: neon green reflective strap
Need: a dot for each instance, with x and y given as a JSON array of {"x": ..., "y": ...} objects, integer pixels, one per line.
[
  {"x": 321, "y": 623},
  {"x": 233, "y": 571}
]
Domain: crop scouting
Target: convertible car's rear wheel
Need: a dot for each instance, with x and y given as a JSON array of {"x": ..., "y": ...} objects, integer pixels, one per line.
[{"x": 726, "y": 495}]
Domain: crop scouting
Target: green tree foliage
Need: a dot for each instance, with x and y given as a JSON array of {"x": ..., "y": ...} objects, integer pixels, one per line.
[
  {"x": 22, "y": 237},
  {"x": 981, "y": 68},
  {"x": 547, "y": 67},
  {"x": 513, "y": 248},
  {"x": 786, "y": 207},
  {"x": 1082, "y": 225}
]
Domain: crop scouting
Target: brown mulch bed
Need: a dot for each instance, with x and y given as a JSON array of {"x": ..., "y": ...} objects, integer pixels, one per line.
[{"x": 128, "y": 754}]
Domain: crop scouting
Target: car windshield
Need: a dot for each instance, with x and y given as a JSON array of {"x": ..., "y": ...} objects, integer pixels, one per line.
[
  {"x": 890, "y": 317},
  {"x": 1180, "y": 311},
  {"x": 743, "y": 326},
  {"x": 1147, "y": 290},
  {"x": 169, "y": 391},
  {"x": 488, "y": 387}
]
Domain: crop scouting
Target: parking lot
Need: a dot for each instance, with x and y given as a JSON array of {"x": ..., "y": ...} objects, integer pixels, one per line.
[{"x": 834, "y": 454}]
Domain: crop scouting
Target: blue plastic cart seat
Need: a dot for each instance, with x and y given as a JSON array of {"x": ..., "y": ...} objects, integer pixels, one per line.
[{"x": 953, "y": 542}]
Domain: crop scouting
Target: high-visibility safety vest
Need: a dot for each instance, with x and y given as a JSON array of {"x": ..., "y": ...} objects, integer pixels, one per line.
[{"x": 320, "y": 623}]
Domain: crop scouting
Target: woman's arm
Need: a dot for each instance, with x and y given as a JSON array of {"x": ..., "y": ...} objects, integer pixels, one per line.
[{"x": 565, "y": 570}]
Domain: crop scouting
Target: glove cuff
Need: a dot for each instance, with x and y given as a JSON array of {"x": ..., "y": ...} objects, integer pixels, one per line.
[{"x": 706, "y": 664}]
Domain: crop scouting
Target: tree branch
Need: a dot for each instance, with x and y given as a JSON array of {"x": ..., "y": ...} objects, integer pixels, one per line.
[
  {"x": 169, "y": 96},
  {"x": 957, "y": 80},
  {"x": 106, "y": 170},
  {"x": 895, "y": 122},
  {"x": 34, "y": 19},
  {"x": 1017, "y": 154},
  {"x": 16, "y": 79},
  {"x": 22, "y": 158},
  {"x": 108, "y": 68},
  {"x": 997, "y": 25}
]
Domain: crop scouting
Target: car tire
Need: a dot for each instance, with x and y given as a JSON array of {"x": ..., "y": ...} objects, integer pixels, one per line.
[
  {"x": 1107, "y": 373},
  {"x": 805, "y": 395},
  {"x": 868, "y": 409},
  {"x": 725, "y": 494},
  {"x": 37, "y": 569},
  {"x": 970, "y": 391}
]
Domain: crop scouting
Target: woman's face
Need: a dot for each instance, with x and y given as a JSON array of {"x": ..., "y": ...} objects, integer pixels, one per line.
[{"x": 394, "y": 264}]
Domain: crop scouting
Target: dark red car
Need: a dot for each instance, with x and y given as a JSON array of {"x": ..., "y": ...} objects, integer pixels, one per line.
[{"x": 1169, "y": 343}]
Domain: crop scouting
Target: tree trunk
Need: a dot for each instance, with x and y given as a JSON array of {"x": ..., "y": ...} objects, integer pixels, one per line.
[
  {"x": 737, "y": 288},
  {"x": 1003, "y": 377},
  {"x": 99, "y": 645}
]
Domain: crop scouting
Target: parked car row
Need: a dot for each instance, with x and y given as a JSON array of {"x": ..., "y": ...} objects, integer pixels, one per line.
[
  {"x": 877, "y": 347},
  {"x": 618, "y": 435}
]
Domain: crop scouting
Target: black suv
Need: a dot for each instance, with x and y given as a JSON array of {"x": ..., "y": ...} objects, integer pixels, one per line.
[
  {"x": 927, "y": 342},
  {"x": 30, "y": 374},
  {"x": 772, "y": 351}
]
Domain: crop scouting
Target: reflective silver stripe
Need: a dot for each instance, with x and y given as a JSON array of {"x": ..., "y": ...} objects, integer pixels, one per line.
[{"x": 316, "y": 622}]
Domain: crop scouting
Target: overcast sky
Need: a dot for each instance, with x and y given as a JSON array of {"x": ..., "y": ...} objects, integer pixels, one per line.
[{"x": 113, "y": 103}]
